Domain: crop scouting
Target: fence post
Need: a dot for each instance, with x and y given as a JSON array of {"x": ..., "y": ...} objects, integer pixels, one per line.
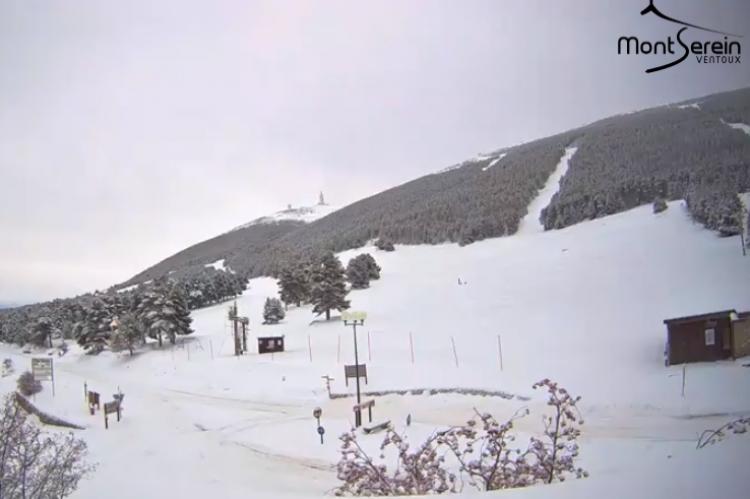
[
  {"x": 683, "y": 380},
  {"x": 411, "y": 346},
  {"x": 500, "y": 351},
  {"x": 309, "y": 346},
  {"x": 369, "y": 348}
]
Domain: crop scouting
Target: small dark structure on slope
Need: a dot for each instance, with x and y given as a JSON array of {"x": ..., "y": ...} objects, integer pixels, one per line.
[
  {"x": 270, "y": 344},
  {"x": 708, "y": 337}
]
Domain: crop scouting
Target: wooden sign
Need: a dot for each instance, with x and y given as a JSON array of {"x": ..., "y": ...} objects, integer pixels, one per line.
[
  {"x": 111, "y": 407},
  {"x": 367, "y": 404},
  {"x": 114, "y": 407},
  {"x": 42, "y": 369},
  {"x": 93, "y": 399},
  {"x": 352, "y": 372}
]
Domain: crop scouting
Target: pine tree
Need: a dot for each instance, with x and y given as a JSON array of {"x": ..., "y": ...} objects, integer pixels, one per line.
[
  {"x": 128, "y": 334},
  {"x": 358, "y": 273},
  {"x": 164, "y": 312},
  {"x": 294, "y": 285},
  {"x": 373, "y": 268},
  {"x": 41, "y": 332},
  {"x": 328, "y": 286},
  {"x": 273, "y": 311},
  {"x": 95, "y": 331}
]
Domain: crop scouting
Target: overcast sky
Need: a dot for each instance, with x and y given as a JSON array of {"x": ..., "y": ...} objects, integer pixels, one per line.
[{"x": 130, "y": 130}]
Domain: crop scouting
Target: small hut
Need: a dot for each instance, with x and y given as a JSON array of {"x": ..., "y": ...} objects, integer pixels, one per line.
[
  {"x": 270, "y": 344},
  {"x": 708, "y": 337}
]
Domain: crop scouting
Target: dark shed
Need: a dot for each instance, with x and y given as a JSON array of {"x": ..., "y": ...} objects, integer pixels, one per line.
[
  {"x": 699, "y": 338},
  {"x": 270, "y": 344}
]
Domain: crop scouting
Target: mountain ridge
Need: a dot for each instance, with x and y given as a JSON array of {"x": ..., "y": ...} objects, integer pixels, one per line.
[{"x": 678, "y": 150}]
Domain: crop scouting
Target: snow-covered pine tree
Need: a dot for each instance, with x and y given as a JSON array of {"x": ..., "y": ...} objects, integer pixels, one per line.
[
  {"x": 164, "y": 312},
  {"x": 328, "y": 286},
  {"x": 41, "y": 332},
  {"x": 94, "y": 332},
  {"x": 129, "y": 333},
  {"x": 294, "y": 285},
  {"x": 357, "y": 273},
  {"x": 273, "y": 311},
  {"x": 373, "y": 268}
]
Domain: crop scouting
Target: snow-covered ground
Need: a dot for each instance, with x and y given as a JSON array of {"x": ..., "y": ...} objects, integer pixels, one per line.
[
  {"x": 305, "y": 214},
  {"x": 219, "y": 265},
  {"x": 583, "y": 305}
]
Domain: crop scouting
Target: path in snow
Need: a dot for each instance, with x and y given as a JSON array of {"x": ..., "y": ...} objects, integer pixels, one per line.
[
  {"x": 531, "y": 223},
  {"x": 494, "y": 161},
  {"x": 738, "y": 126}
]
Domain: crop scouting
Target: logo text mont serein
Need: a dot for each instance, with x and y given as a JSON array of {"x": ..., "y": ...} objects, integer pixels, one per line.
[{"x": 717, "y": 51}]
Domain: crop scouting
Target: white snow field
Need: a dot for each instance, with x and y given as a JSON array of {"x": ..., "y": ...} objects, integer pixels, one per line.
[{"x": 583, "y": 306}]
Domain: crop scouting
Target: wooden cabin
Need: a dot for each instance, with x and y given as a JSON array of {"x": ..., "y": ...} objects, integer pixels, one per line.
[{"x": 708, "y": 337}]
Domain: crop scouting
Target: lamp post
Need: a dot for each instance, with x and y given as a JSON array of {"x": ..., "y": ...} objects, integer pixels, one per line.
[{"x": 355, "y": 319}]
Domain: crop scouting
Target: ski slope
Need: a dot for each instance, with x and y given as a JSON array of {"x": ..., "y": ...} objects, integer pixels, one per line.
[
  {"x": 532, "y": 223},
  {"x": 583, "y": 305}
]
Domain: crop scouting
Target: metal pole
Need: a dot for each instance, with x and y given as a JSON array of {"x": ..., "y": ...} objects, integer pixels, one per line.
[
  {"x": 455, "y": 355},
  {"x": 358, "y": 414},
  {"x": 411, "y": 346},
  {"x": 369, "y": 348},
  {"x": 500, "y": 351},
  {"x": 683, "y": 380}
]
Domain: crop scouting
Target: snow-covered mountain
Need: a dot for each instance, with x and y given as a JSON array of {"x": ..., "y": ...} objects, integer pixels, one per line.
[{"x": 620, "y": 163}]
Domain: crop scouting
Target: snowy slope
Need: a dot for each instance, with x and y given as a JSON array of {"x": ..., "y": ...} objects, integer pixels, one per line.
[
  {"x": 305, "y": 214},
  {"x": 583, "y": 305}
]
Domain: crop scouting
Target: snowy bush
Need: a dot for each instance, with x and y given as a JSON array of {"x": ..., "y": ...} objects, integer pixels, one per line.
[
  {"x": 737, "y": 427},
  {"x": 384, "y": 244},
  {"x": 659, "y": 205},
  {"x": 27, "y": 385},
  {"x": 416, "y": 472},
  {"x": 482, "y": 453},
  {"x": 34, "y": 465},
  {"x": 361, "y": 269},
  {"x": 8, "y": 367}
]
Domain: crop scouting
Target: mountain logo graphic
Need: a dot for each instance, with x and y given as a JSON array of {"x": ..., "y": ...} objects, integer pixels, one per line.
[{"x": 721, "y": 48}]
